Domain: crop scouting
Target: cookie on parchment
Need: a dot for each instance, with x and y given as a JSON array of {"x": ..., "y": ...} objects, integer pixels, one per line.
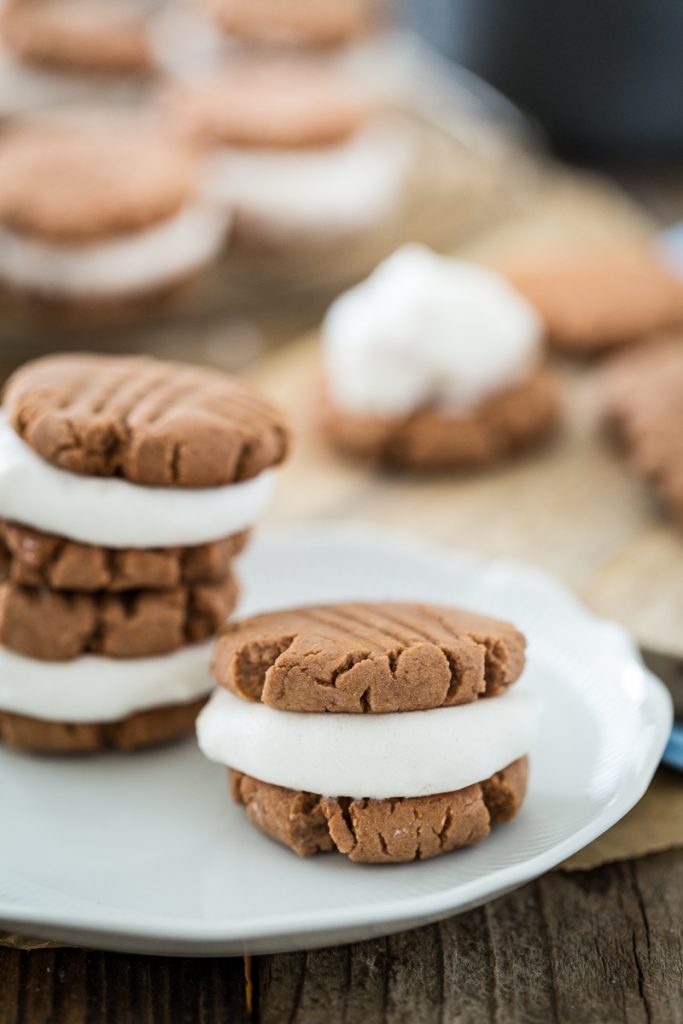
[
  {"x": 382, "y": 831},
  {"x": 592, "y": 302},
  {"x": 429, "y": 440},
  {"x": 368, "y": 657},
  {"x": 643, "y": 394},
  {"x": 434, "y": 363}
]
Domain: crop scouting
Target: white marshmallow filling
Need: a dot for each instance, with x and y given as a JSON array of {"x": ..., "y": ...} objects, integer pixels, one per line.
[
  {"x": 93, "y": 688},
  {"x": 406, "y": 754},
  {"x": 116, "y": 513}
]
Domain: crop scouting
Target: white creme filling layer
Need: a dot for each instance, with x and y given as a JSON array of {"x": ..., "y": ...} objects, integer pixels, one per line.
[
  {"x": 428, "y": 331},
  {"x": 411, "y": 753},
  {"x": 130, "y": 264},
  {"x": 346, "y": 187},
  {"x": 97, "y": 689},
  {"x": 116, "y": 513}
]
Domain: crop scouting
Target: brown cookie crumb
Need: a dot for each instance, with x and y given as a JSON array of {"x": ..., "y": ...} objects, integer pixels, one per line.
[
  {"x": 382, "y": 831},
  {"x": 644, "y": 403},
  {"x": 368, "y": 657},
  {"x": 149, "y": 421},
  {"x": 58, "y": 626},
  {"x": 32, "y": 558},
  {"x": 143, "y": 729},
  {"x": 430, "y": 440},
  {"x": 593, "y": 301}
]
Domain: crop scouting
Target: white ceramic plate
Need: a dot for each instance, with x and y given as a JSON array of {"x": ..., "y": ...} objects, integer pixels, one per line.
[{"x": 146, "y": 853}]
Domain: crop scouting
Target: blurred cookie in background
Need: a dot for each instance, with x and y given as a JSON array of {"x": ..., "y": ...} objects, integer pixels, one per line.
[
  {"x": 295, "y": 22},
  {"x": 643, "y": 393},
  {"x": 106, "y": 215},
  {"x": 60, "y": 51},
  {"x": 296, "y": 150},
  {"x": 434, "y": 363},
  {"x": 594, "y": 301}
]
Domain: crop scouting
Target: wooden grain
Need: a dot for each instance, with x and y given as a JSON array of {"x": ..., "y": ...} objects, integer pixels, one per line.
[
  {"x": 603, "y": 946},
  {"x": 67, "y": 986}
]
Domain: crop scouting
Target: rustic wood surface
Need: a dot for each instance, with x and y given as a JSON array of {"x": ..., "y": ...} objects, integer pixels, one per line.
[{"x": 591, "y": 947}]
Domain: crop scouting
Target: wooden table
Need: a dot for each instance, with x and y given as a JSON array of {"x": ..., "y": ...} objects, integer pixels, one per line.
[{"x": 590, "y": 947}]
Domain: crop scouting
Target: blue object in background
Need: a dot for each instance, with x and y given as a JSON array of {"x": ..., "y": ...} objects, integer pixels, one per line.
[{"x": 673, "y": 755}]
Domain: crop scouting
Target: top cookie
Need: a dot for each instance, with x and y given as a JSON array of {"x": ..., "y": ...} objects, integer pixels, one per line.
[
  {"x": 317, "y": 23},
  {"x": 593, "y": 301},
  {"x": 80, "y": 183},
  {"x": 77, "y": 35},
  {"x": 149, "y": 421},
  {"x": 368, "y": 657},
  {"x": 267, "y": 103}
]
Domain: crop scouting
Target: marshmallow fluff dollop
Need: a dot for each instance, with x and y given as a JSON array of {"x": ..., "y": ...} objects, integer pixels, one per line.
[
  {"x": 410, "y": 753},
  {"x": 162, "y": 253},
  {"x": 426, "y": 330},
  {"x": 93, "y": 688},
  {"x": 116, "y": 513}
]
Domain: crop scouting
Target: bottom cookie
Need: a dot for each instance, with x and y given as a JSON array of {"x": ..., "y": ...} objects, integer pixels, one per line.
[
  {"x": 143, "y": 729},
  {"x": 433, "y": 440},
  {"x": 382, "y": 831}
]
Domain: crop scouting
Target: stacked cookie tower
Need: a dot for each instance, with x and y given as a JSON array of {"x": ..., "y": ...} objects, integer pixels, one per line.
[
  {"x": 127, "y": 485},
  {"x": 388, "y": 731}
]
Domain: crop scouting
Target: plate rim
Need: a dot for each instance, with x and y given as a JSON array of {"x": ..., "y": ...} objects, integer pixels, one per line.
[{"x": 188, "y": 936}]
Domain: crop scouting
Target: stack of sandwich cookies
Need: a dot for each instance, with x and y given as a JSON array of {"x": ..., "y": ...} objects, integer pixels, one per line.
[
  {"x": 97, "y": 216},
  {"x": 299, "y": 152},
  {"x": 127, "y": 486},
  {"x": 434, "y": 363},
  {"x": 386, "y": 731}
]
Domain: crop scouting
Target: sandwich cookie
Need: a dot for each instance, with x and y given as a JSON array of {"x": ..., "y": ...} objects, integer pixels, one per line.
[
  {"x": 54, "y": 52},
  {"x": 593, "y": 302},
  {"x": 127, "y": 486},
  {"x": 434, "y": 363},
  {"x": 643, "y": 394},
  {"x": 386, "y": 731},
  {"x": 89, "y": 216},
  {"x": 297, "y": 151}
]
